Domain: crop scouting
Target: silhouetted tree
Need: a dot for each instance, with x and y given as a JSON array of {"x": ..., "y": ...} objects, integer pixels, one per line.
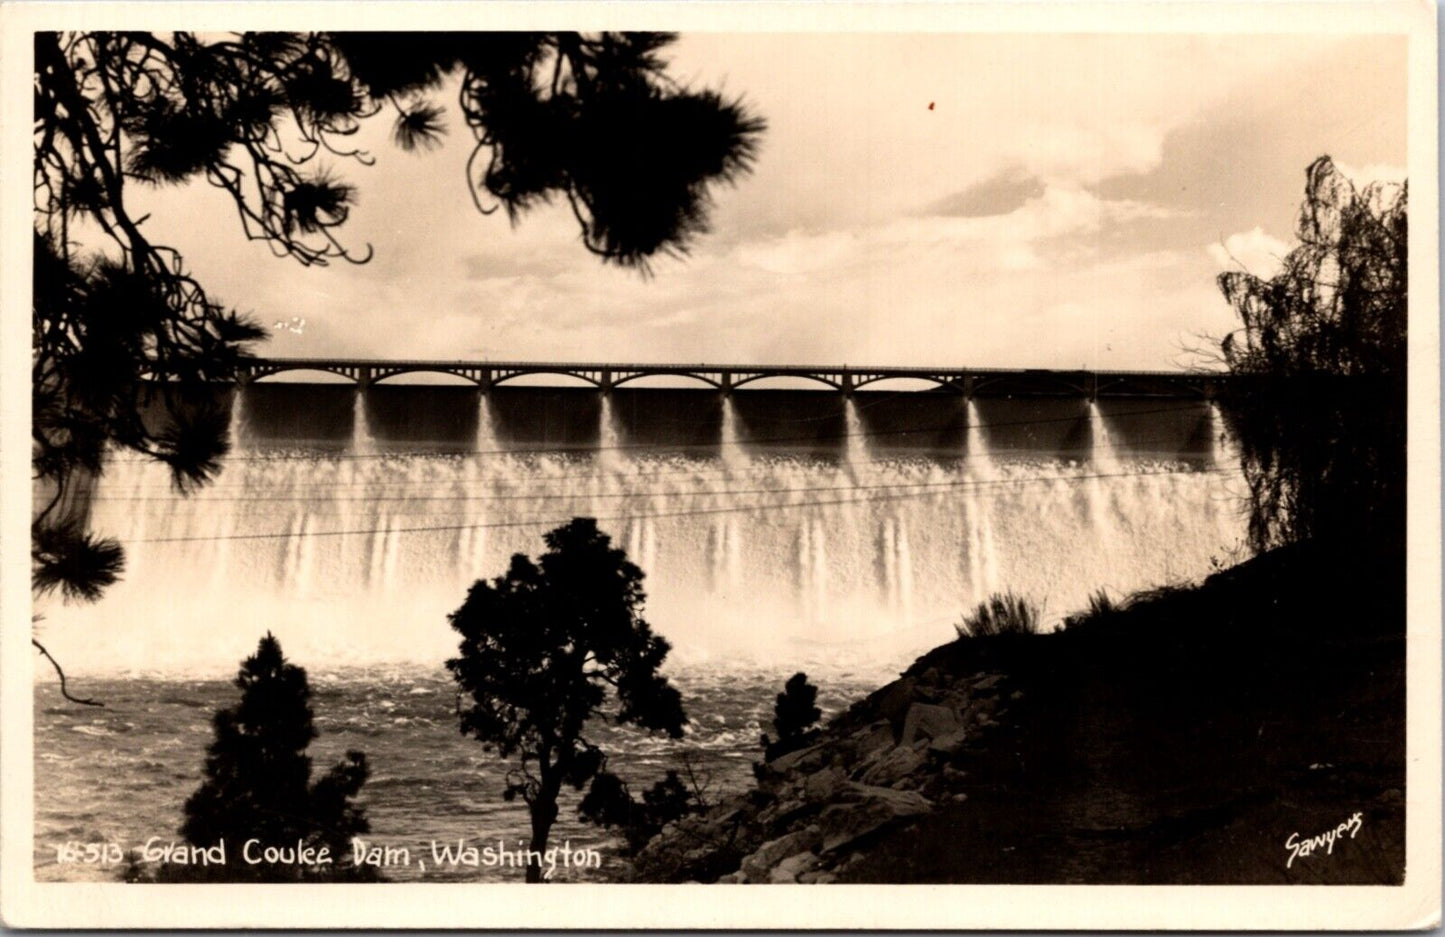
[
  {"x": 546, "y": 648},
  {"x": 258, "y": 781},
  {"x": 794, "y": 713},
  {"x": 592, "y": 119},
  {"x": 1319, "y": 405},
  {"x": 609, "y": 803}
]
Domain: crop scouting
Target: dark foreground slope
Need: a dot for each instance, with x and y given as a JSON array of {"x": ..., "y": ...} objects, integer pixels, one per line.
[{"x": 1186, "y": 738}]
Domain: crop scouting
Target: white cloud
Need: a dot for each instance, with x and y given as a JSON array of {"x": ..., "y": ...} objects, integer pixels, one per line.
[
  {"x": 1362, "y": 176},
  {"x": 1253, "y": 251}
]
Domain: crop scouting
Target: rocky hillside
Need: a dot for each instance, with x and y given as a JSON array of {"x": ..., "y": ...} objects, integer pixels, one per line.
[
  {"x": 1183, "y": 739},
  {"x": 887, "y": 760}
]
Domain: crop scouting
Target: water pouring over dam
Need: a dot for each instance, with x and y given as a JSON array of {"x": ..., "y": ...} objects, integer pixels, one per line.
[{"x": 777, "y": 527}]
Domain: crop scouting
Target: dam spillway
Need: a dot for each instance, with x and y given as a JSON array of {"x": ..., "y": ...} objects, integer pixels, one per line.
[{"x": 777, "y": 528}]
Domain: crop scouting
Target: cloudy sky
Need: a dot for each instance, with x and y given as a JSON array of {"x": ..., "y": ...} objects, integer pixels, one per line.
[{"x": 1064, "y": 202}]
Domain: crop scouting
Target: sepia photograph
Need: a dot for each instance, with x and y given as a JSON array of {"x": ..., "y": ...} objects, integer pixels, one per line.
[{"x": 701, "y": 452}]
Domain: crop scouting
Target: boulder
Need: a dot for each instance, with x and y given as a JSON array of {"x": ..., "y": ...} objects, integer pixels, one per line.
[
  {"x": 892, "y": 767},
  {"x": 805, "y": 758},
  {"x": 824, "y": 785},
  {"x": 870, "y": 742},
  {"x": 986, "y": 682},
  {"x": 871, "y": 809},
  {"x": 925, "y": 720},
  {"x": 817, "y": 877},
  {"x": 893, "y": 700},
  {"x": 790, "y": 868},
  {"x": 903, "y": 803},
  {"x": 732, "y": 878},
  {"x": 759, "y": 865},
  {"x": 782, "y": 811},
  {"x": 948, "y": 744}
]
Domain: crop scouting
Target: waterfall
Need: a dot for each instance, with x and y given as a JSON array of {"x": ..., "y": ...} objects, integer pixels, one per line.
[
  {"x": 1104, "y": 469},
  {"x": 237, "y": 434},
  {"x": 486, "y": 442},
  {"x": 801, "y": 571},
  {"x": 362, "y": 443},
  {"x": 610, "y": 455},
  {"x": 982, "y": 489},
  {"x": 905, "y": 572},
  {"x": 734, "y": 458},
  {"x": 897, "y": 568},
  {"x": 857, "y": 450}
]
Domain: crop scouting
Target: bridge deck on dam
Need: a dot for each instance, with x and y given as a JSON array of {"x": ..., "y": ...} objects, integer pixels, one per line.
[{"x": 970, "y": 382}]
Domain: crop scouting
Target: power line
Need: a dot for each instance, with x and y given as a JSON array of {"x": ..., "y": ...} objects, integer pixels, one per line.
[{"x": 667, "y": 514}]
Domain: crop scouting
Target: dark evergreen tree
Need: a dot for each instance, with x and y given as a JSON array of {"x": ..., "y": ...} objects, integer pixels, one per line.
[
  {"x": 120, "y": 325},
  {"x": 258, "y": 781},
  {"x": 609, "y": 803},
  {"x": 548, "y": 647},
  {"x": 795, "y": 712},
  {"x": 1318, "y": 403}
]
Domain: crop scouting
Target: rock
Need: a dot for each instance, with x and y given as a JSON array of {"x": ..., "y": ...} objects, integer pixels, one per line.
[
  {"x": 987, "y": 682},
  {"x": 869, "y": 808},
  {"x": 930, "y": 677},
  {"x": 824, "y": 785},
  {"x": 948, "y": 744},
  {"x": 897, "y": 764},
  {"x": 790, "y": 868},
  {"x": 817, "y": 877},
  {"x": 958, "y": 798},
  {"x": 758, "y": 866},
  {"x": 844, "y": 823},
  {"x": 732, "y": 878},
  {"x": 781, "y": 811},
  {"x": 724, "y": 813},
  {"x": 893, "y": 700},
  {"x": 903, "y": 803},
  {"x": 928, "y": 721},
  {"x": 872, "y": 741},
  {"x": 805, "y": 758},
  {"x": 1393, "y": 796}
]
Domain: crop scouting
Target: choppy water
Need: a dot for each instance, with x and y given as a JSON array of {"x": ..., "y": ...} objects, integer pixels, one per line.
[{"x": 122, "y": 773}]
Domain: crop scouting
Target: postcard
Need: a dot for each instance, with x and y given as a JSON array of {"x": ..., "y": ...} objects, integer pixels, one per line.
[{"x": 719, "y": 465}]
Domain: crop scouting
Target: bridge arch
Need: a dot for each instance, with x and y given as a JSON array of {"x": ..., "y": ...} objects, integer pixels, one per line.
[
  {"x": 510, "y": 375},
  {"x": 455, "y": 378},
  {"x": 689, "y": 377},
  {"x": 298, "y": 375},
  {"x": 909, "y": 384},
  {"x": 773, "y": 375},
  {"x": 1029, "y": 383}
]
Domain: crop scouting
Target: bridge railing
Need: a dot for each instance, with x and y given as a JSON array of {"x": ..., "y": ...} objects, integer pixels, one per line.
[{"x": 984, "y": 382}]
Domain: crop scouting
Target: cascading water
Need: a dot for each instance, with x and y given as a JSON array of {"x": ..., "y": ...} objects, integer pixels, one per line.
[
  {"x": 1106, "y": 475},
  {"x": 982, "y": 476},
  {"x": 734, "y": 457},
  {"x": 857, "y": 451},
  {"x": 361, "y": 442},
  {"x": 824, "y": 553}
]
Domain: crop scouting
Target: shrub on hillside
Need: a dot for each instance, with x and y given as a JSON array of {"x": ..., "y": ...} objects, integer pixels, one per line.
[{"x": 1003, "y": 613}]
